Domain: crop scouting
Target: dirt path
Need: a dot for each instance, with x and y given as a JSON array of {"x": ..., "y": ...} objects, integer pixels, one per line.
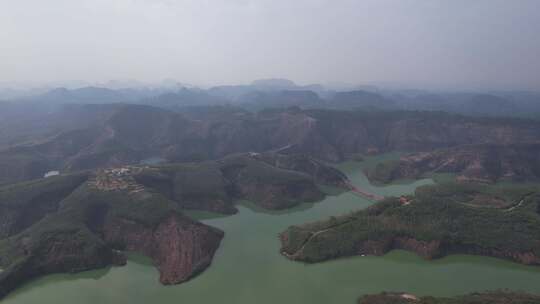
[
  {"x": 353, "y": 189},
  {"x": 520, "y": 203},
  {"x": 307, "y": 241},
  {"x": 313, "y": 234}
]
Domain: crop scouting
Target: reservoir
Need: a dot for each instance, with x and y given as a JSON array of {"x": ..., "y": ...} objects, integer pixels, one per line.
[{"x": 248, "y": 268}]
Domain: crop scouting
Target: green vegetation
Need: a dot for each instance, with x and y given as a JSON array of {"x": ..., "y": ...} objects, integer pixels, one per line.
[
  {"x": 437, "y": 220},
  {"x": 384, "y": 172},
  {"x": 19, "y": 166},
  {"x": 22, "y": 194},
  {"x": 270, "y": 186},
  {"x": 194, "y": 186},
  {"x": 270, "y": 180},
  {"x": 260, "y": 172},
  {"x": 492, "y": 297},
  {"x": 81, "y": 214},
  {"x": 23, "y": 204}
]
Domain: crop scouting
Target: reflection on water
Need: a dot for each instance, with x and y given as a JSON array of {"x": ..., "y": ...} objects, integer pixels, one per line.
[{"x": 249, "y": 269}]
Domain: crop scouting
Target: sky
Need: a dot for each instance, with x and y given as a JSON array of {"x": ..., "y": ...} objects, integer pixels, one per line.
[{"x": 419, "y": 43}]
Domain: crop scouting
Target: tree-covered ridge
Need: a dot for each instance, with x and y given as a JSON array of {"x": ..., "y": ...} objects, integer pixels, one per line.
[{"x": 438, "y": 220}]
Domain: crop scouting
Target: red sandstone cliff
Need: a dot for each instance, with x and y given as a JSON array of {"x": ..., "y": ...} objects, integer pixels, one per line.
[{"x": 180, "y": 247}]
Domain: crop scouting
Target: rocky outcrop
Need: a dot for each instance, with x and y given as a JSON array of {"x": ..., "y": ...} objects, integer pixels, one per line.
[
  {"x": 437, "y": 249},
  {"x": 426, "y": 249},
  {"x": 180, "y": 247}
]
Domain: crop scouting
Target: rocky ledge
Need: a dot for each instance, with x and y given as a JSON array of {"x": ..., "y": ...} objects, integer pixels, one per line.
[{"x": 179, "y": 247}]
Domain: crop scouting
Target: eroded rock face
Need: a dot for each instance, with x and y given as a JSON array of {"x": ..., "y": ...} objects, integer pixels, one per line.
[
  {"x": 179, "y": 247},
  {"x": 523, "y": 257},
  {"x": 425, "y": 249}
]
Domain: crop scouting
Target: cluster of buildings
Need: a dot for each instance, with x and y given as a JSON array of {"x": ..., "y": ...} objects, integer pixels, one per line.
[{"x": 117, "y": 179}]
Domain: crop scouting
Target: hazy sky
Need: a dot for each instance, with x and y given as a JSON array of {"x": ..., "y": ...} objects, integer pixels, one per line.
[{"x": 447, "y": 43}]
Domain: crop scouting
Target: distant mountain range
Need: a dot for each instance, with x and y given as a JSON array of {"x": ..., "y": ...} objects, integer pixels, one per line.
[{"x": 282, "y": 93}]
